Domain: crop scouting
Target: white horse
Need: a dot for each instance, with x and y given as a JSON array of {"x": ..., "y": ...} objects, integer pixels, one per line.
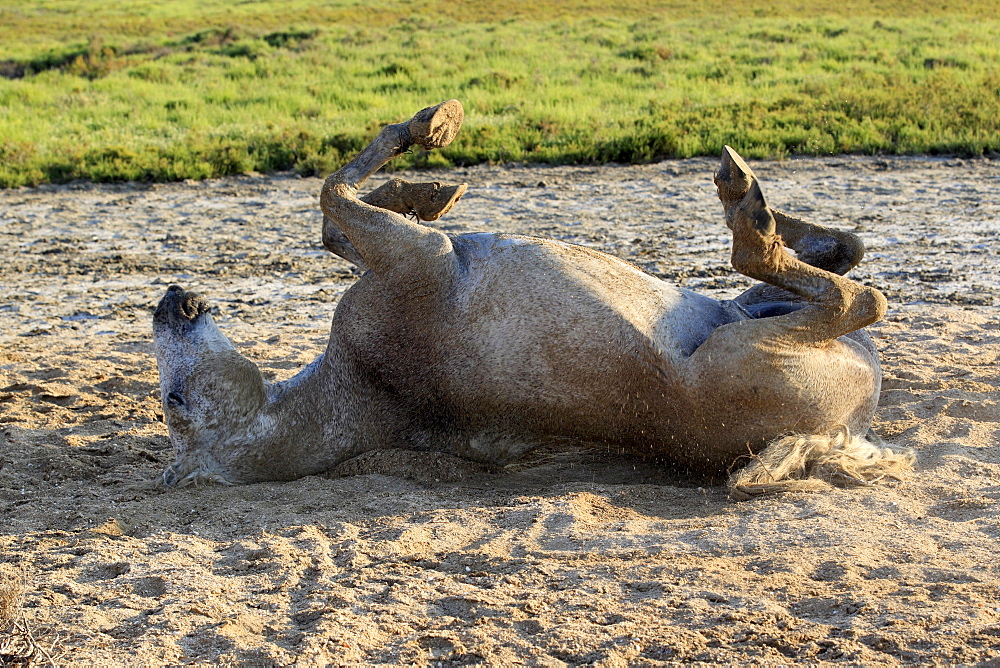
[{"x": 485, "y": 346}]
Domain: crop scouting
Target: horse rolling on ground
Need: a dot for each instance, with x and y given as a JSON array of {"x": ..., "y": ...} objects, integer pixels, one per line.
[{"x": 485, "y": 346}]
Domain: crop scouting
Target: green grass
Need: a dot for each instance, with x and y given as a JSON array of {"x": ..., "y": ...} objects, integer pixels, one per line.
[{"x": 144, "y": 90}]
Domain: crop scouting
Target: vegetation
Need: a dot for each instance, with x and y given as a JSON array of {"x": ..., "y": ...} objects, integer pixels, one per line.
[{"x": 137, "y": 89}]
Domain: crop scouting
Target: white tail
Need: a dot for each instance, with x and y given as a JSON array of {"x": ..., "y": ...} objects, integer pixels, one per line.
[{"x": 807, "y": 463}]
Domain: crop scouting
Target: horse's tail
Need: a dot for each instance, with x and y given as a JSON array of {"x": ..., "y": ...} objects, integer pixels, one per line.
[{"x": 806, "y": 463}]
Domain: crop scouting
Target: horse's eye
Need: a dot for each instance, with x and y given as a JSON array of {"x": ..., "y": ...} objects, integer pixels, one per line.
[{"x": 174, "y": 399}]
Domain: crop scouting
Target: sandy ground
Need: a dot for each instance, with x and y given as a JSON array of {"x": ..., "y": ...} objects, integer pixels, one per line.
[{"x": 563, "y": 558}]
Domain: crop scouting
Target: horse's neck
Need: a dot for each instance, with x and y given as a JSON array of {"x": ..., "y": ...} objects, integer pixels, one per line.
[{"x": 314, "y": 416}]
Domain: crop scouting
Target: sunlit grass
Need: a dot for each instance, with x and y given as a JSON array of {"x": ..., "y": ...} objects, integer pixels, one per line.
[{"x": 168, "y": 90}]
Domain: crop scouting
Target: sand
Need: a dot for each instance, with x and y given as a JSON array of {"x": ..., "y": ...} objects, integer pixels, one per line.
[{"x": 565, "y": 557}]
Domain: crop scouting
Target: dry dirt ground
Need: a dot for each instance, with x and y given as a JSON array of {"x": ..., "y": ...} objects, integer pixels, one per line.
[{"x": 563, "y": 558}]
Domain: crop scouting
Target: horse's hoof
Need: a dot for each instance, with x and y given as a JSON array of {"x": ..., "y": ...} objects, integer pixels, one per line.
[
  {"x": 426, "y": 201},
  {"x": 733, "y": 178},
  {"x": 436, "y": 127},
  {"x": 436, "y": 199}
]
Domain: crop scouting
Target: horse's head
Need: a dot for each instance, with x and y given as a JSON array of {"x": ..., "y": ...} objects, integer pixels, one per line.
[{"x": 212, "y": 396}]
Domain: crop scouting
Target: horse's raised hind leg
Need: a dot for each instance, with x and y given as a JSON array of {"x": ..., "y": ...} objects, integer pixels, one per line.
[
  {"x": 837, "y": 305},
  {"x": 380, "y": 238},
  {"x": 823, "y": 247}
]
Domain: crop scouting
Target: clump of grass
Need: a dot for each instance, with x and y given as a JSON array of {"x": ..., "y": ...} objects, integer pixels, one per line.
[
  {"x": 11, "y": 597},
  {"x": 18, "y": 645},
  {"x": 163, "y": 91}
]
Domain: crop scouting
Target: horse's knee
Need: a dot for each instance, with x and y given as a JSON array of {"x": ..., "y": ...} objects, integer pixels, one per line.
[
  {"x": 851, "y": 250},
  {"x": 335, "y": 195},
  {"x": 848, "y": 307},
  {"x": 868, "y": 307},
  {"x": 834, "y": 251}
]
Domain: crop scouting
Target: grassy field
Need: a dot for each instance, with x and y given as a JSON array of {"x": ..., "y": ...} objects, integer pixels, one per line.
[{"x": 136, "y": 89}]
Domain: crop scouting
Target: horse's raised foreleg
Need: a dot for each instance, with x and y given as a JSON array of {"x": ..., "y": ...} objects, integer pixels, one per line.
[
  {"x": 425, "y": 201},
  {"x": 370, "y": 231},
  {"x": 837, "y": 305}
]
